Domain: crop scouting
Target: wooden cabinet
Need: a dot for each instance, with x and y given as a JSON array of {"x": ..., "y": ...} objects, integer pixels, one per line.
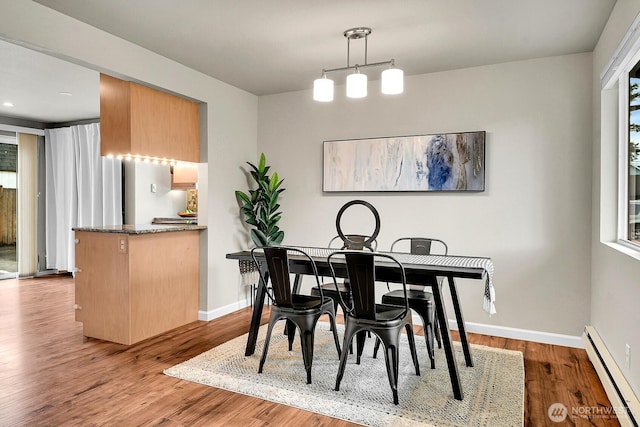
[
  {"x": 130, "y": 287},
  {"x": 138, "y": 120},
  {"x": 184, "y": 176}
]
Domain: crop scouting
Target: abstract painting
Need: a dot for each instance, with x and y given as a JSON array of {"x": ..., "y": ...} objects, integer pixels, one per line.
[{"x": 438, "y": 162}]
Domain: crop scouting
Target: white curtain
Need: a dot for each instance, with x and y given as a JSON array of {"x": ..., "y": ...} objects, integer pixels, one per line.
[{"x": 83, "y": 190}]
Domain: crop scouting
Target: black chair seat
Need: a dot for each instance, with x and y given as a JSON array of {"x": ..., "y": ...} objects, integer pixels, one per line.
[
  {"x": 301, "y": 302},
  {"x": 387, "y": 313},
  {"x": 416, "y": 295}
]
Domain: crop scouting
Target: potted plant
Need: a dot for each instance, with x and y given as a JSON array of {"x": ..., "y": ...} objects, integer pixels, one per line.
[{"x": 260, "y": 206}]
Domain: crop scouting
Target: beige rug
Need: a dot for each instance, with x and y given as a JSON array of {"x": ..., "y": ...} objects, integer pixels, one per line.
[{"x": 493, "y": 388}]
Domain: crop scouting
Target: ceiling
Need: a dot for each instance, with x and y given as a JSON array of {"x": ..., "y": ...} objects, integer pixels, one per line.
[
  {"x": 267, "y": 47},
  {"x": 32, "y": 81}
]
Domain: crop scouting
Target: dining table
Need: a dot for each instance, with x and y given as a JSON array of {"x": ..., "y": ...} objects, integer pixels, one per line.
[{"x": 419, "y": 270}]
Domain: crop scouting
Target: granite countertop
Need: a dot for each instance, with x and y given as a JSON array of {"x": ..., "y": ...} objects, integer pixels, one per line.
[{"x": 141, "y": 228}]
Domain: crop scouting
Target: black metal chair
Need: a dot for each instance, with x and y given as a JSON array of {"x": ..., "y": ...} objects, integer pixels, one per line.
[
  {"x": 298, "y": 309},
  {"x": 339, "y": 291},
  {"x": 384, "y": 320},
  {"x": 420, "y": 300}
]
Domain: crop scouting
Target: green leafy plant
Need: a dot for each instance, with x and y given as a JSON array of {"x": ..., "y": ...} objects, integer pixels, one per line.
[{"x": 260, "y": 206}]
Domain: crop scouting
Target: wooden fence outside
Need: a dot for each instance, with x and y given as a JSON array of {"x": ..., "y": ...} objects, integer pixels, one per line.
[{"x": 8, "y": 219}]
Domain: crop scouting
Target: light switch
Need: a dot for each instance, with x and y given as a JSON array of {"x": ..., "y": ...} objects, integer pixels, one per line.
[
  {"x": 123, "y": 246},
  {"x": 154, "y": 188}
]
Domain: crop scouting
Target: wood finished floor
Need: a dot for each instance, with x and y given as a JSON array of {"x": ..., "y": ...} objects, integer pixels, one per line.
[{"x": 50, "y": 375}]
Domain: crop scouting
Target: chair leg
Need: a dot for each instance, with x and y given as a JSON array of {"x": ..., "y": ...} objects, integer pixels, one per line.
[
  {"x": 412, "y": 347},
  {"x": 428, "y": 337},
  {"x": 436, "y": 329},
  {"x": 290, "y": 330},
  {"x": 348, "y": 337},
  {"x": 376, "y": 347},
  {"x": 344, "y": 315},
  {"x": 267, "y": 339},
  {"x": 426, "y": 314},
  {"x": 332, "y": 320},
  {"x": 306, "y": 342},
  {"x": 360, "y": 339},
  {"x": 335, "y": 305},
  {"x": 391, "y": 360}
]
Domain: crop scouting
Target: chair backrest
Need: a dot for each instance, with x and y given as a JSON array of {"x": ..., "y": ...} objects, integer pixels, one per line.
[
  {"x": 277, "y": 260},
  {"x": 361, "y": 269},
  {"x": 354, "y": 242},
  {"x": 422, "y": 246}
]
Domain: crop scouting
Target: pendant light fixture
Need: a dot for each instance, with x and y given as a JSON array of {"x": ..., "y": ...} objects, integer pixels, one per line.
[
  {"x": 323, "y": 89},
  {"x": 357, "y": 84},
  {"x": 391, "y": 79}
]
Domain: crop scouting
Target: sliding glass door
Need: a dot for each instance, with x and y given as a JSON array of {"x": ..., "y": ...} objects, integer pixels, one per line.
[{"x": 8, "y": 205}]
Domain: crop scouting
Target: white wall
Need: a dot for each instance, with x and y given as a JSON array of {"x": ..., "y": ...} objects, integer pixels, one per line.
[
  {"x": 230, "y": 132},
  {"x": 142, "y": 204},
  {"x": 615, "y": 299},
  {"x": 534, "y": 218}
]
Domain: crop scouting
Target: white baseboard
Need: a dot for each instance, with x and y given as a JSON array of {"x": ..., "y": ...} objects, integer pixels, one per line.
[
  {"x": 219, "y": 312},
  {"x": 619, "y": 391},
  {"x": 521, "y": 334},
  {"x": 515, "y": 333}
]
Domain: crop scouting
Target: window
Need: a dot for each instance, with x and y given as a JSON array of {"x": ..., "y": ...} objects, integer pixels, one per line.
[
  {"x": 620, "y": 114},
  {"x": 633, "y": 158}
]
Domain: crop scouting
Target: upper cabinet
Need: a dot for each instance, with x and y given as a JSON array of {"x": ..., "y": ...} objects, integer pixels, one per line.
[
  {"x": 184, "y": 176},
  {"x": 137, "y": 120}
]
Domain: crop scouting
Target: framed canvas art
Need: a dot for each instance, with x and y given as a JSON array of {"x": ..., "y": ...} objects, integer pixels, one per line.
[{"x": 438, "y": 162}]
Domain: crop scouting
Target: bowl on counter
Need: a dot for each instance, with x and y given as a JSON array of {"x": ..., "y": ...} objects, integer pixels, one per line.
[{"x": 188, "y": 214}]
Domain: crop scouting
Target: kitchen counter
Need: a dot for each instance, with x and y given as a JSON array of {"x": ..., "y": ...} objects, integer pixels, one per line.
[
  {"x": 141, "y": 228},
  {"x": 134, "y": 282}
]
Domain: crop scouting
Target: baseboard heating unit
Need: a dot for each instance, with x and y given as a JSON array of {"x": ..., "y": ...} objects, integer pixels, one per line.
[{"x": 623, "y": 400}]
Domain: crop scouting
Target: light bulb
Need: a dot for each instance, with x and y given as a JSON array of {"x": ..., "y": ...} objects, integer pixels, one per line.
[
  {"x": 323, "y": 89},
  {"x": 357, "y": 85},
  {"x": 392, "y": 81}
]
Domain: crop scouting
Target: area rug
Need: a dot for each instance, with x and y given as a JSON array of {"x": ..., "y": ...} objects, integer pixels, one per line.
[{"x": 493, "y": 388}]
